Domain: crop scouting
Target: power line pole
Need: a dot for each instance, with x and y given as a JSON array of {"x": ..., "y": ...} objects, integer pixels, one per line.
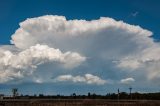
[
  {"x": 130, "y": 90},
  {"x": 15, "y": 92},
  {"x": 118, "y": 96}
]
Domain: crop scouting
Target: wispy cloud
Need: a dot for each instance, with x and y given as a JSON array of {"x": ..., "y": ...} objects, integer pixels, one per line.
[{"x": 134, "y": 14}]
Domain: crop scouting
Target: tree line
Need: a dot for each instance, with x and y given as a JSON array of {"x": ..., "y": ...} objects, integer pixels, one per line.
[{"x": 109, "y": 96}]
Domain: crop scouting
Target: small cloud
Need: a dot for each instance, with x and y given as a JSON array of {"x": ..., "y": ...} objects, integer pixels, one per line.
[
  {"x": 87, "y": 78},
  {"x": 127, "y": 81},
  {"x": 135, "y": 14},
  {"x": 38, "y": 81}
]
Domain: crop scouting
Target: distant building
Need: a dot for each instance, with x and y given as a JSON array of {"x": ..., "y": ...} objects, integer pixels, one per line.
[{"x": 1, "y": 96}]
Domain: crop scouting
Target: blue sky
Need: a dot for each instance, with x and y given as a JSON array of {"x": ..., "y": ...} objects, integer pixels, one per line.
[{"x": 124, "y": 55}]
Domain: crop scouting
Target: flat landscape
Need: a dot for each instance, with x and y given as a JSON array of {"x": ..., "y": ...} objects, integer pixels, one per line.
[{"x": 77, "y": 102}]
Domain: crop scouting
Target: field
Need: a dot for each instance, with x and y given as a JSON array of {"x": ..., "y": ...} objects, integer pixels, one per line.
[{"x": 77, "y": 102}]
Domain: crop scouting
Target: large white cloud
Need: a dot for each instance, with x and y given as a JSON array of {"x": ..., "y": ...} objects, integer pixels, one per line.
[
  {"x": 58, "y": 32},
  {"x": 25, "y": 62},
  {"x": 105, "y": 37},
  {"x": 106, "y": 46}
]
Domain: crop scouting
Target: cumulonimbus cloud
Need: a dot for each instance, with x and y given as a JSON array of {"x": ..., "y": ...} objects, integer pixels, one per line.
[{"x": 105, "y": 45}]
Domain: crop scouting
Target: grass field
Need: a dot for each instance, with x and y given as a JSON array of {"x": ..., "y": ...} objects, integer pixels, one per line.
[{"x": 77, "y": 102}]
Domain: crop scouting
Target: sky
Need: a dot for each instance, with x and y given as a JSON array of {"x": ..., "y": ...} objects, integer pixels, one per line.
[{"x": 67, "y": 46}]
